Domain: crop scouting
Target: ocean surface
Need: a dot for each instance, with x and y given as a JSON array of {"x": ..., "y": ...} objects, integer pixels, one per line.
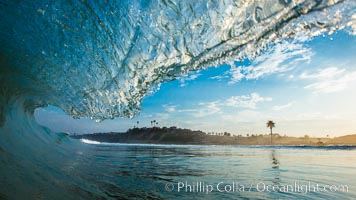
[
  {"x": 123, "y": 171},
  {"x": 99, "y": 59}
]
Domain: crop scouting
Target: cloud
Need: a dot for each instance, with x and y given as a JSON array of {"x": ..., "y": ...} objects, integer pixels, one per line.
[
  {"x": 201, "y": 109},
  {"x": 186, "y": 78},
  {"x": 162, "y": 116},
  {"x": 245, "y": 101},
  {"x": 170, "y": 108},
  {"x": 282, "y": 107},
  {"x": 204, "y": 109},
  {"x": 244, "y": 116},
  {"x": 324, "y": 73},
  {"x": 329, "y": 80},
  {"x": 310, "y": 116},
  {"x": 283, "y": 57},
  {"x": 220, "y": 77}
]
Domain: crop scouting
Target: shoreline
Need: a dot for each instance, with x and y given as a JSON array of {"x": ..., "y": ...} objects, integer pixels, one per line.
[
  {"x": 177, "y": 136},
  {"x": 218, "y": 145}
]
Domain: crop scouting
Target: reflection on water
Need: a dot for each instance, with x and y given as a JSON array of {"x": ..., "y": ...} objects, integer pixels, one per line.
[
  {"x": 129, "y": 171},
  {"x": 275, "y": 165},
  {"x": 274, "y": 160}
]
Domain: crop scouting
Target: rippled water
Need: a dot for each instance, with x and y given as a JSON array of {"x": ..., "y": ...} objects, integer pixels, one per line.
[{"x": 155, "y": 171}]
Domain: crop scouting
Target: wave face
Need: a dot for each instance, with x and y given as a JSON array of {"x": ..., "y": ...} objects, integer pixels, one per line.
[{"x": 100, "y": 58}]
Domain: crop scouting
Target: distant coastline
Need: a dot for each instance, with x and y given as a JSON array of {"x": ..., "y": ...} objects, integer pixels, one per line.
[{"x": 174, "y": 135}]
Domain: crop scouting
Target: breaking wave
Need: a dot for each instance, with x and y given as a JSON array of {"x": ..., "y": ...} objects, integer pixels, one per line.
[
  {"x": 90, "y": 141},
  {"x": 100, "y": 58}
]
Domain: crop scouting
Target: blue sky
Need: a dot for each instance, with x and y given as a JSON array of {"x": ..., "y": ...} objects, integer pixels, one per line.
[{"x": 306, "y": 88}]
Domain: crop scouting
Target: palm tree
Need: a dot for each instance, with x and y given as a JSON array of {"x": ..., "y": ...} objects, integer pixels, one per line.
[
  {"x": 271, "y": 125},
  {"x": 137, "y": 123},
  {"x": 154, "y": 123}
]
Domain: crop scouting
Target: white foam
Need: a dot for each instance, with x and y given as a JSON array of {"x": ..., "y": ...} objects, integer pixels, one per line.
[{"x": 89, "y": 141}]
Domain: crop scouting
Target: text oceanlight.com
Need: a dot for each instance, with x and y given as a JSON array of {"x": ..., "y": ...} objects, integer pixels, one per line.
[{"x": 224, "y": 187}]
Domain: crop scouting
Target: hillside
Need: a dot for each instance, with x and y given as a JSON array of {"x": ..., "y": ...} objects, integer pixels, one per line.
[
  {"x": 343, "y": 140},
  {"x": 175, "y": 135}
]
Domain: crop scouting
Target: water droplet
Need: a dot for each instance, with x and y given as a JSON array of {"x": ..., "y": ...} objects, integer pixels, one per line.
[
  {"x": 285, "y": 2},
  {"x": 258, "y": 14}
]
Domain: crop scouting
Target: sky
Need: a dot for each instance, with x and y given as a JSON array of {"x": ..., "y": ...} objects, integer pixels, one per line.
[{"x": 306, "y": 88}]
